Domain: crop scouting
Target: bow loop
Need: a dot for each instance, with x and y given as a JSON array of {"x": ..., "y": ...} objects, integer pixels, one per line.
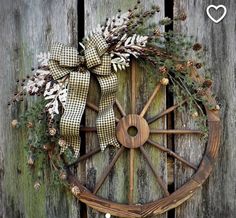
[
  {"x": 63, "y": 59},
  {"x": 70, "y": 57},
  {"x": 99, "y": 43},
  {"x": 92, "y": 58},
  {"x": 56, "y": 49},
  {"x": 96, "y": 57}
]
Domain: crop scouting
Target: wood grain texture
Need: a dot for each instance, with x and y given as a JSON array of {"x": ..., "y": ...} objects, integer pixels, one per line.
[
  {"x": 116, "y": 187},
  {"x": 27, "y": 28},
  {"x": 215, "y": 198}
]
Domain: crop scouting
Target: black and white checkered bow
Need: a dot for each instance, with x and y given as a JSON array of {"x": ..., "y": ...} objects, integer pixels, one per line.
[{"x": 63, "y": 61}]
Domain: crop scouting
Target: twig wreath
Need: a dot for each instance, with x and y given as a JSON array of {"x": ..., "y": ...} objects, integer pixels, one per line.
[{"x": 61, "y": 82}]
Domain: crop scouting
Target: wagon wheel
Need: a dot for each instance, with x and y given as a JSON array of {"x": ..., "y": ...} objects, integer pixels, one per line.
[{"x": 130, "y": 143}]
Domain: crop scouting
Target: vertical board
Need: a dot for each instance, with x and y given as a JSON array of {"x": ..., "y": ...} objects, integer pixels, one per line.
[
  {"x": 216, "y": 199},
  {"x": 116, "y": 186},
  {"x": 27, "y": 28}
]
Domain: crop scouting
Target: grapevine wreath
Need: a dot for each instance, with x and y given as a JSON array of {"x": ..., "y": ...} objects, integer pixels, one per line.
[{"x": 61, "y": 82}]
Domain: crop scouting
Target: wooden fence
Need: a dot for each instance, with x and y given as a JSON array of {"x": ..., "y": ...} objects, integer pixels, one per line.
[{"x": 29, "y": 27}]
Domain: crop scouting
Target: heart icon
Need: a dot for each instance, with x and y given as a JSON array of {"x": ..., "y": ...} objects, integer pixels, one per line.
[{"x": 216, "y": 8}]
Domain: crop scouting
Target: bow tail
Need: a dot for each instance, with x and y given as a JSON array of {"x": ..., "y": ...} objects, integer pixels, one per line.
[
  {"x": 106, "y": 118},
  {"x": 75, "y": 105}
]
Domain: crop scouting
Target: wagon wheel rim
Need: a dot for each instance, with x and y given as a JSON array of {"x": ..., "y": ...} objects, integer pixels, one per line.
[{"x": 138, "y": 141}]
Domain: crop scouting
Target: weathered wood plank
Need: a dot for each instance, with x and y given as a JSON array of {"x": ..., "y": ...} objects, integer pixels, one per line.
[
  {"x": 116, "y": 187},
  {"x": 147, "y": 186},
  {"x": 27, "y": 28},
  {"x": 215, "y": 198},
  {"x": 96, "y": 13},
  {"x": 191, "y": 148}
]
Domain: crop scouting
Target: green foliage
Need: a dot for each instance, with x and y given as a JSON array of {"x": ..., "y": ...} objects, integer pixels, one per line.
[
  {"x": 34, "y": 120},
  {"x": 35, "y": 117}
]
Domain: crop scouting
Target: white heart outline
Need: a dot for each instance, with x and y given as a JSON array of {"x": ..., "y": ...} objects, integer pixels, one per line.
[{"x": 216, "y": 8}]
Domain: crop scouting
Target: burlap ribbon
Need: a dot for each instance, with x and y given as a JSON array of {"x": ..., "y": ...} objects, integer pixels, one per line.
[{"x": 66, "y": 60}]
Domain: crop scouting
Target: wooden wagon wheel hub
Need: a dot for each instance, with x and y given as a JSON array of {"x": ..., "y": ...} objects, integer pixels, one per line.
[{"x": 132, "y": 131}]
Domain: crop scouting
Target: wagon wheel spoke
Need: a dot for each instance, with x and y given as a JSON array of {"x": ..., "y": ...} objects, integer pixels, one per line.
[
  {"x": 107, "y": 170},
  {"x": 133, "y": 110},
  {"x": 150, "y": 100},
  {"x": 131, "y": 175},
  {"x": 95, "y": 108},
  {"x": 171, "y": 153},
  {"x": 120, "y": 108},
  {"x": 92, "y": 106},
  {"x": 133, "y": 88},
  {"x": 159, "y": 179},
  {"x": 175, "y": 131},
  {"x": 86, "y": 156},
  {"x": 165, "y": 112}
]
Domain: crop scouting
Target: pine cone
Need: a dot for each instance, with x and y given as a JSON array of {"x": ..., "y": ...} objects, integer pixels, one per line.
[
  {"x": 30, "y": 125},
  {"x": 37, "y": 186},
  {"x": 52, "y": 131},
  {"x": 30, "y": 161},
  {"x": 75, "y": 190},
  {"x": 62, "y": 142},
  {"x": 14, "y": 123}
]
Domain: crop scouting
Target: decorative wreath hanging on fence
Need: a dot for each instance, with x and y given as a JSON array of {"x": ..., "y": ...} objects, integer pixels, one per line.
[{"x": 62, "y": 82}]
